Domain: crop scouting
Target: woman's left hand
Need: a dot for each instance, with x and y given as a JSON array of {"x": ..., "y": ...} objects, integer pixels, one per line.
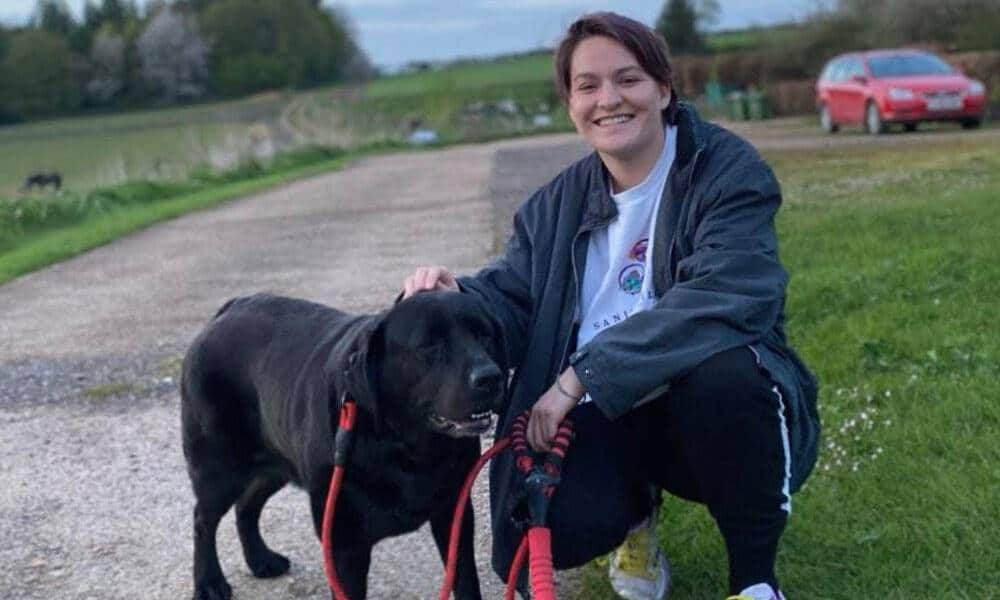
[{"x": 551, "y": 409}]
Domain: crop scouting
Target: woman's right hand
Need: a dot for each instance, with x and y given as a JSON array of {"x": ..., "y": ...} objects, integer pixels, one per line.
[{"x": 426, "y": 279}]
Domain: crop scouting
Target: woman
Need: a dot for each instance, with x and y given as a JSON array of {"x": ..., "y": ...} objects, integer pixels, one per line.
[{"x": 641, "y": 295}]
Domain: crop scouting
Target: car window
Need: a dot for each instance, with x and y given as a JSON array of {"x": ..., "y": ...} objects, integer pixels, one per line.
[
  {"x": 911, "y": 63},
  {"x": 827, "y": 71},
  {"x": 854, "y": 68},
  {"x": 837, "y": 70}
]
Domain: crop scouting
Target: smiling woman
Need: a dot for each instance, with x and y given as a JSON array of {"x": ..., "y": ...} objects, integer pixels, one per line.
[
  {"x": 642, "y": 296},
  {"x": 615, "y": 105}
]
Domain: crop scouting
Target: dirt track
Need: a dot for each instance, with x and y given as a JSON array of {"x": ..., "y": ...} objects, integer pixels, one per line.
[{"x": 94, "y": 501}]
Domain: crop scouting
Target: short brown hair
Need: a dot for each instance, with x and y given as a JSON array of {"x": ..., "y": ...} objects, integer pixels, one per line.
[{"x": 647, "y": 46}]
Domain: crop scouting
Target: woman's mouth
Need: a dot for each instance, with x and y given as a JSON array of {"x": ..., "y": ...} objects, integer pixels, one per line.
[{"x": 613, "y": 120}]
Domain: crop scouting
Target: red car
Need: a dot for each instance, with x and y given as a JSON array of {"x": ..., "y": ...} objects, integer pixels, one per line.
[{"x": 880, "y": 87}]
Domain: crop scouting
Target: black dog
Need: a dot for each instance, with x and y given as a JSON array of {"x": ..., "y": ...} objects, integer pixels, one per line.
[
  {"x": 41, "y": 180},
  {"x": 260, "y": 392}
]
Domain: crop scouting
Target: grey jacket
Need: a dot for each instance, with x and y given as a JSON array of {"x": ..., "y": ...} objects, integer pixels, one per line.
[{"x": 715, "y": 268}]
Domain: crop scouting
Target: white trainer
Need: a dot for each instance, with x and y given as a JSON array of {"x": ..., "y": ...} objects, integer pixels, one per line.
[
  {"x": 759, "y": 591},
  {"x": 638, "y": 569}
]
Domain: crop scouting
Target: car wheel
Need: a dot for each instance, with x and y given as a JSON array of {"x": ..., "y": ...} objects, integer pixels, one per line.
[
  {"x": 873, "y": 120},
  {"x": 971, "y": 123},
  {"x": 826, "y": 120},
  {"x": 910, "y": 127}
]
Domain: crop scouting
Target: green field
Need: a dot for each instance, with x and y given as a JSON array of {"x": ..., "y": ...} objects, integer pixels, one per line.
[
  {"x": 458, "y": 101},
  {"x": 105, "y": 150},
  {"x": 467, "y": 76},
  {"x": 754, "y": 38},
  {"x": 893, "y": 257}
]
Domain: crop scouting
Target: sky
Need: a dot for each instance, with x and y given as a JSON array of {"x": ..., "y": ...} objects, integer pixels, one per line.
[{"x": 395, "y": 32}]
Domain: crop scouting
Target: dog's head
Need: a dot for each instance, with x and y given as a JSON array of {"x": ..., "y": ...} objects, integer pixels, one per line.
[{"x": 437, "y": 360}]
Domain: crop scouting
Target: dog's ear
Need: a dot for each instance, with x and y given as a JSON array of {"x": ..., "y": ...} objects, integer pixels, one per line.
[
  {"x": 357, "y": 374},
  {"x": 500, "y": 343},
  {"x": 500, "y": 354},
  {"x": 367, "y": 366}
]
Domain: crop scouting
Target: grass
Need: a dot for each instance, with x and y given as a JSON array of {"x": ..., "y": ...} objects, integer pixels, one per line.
[
  {"x": 104, "y": 391},
  {"x": 125, "y": 171},
  {"x": 166, "y": 144},
  {"x": 754, "y": 38},
  {"x": 105, "y": 215},
  {"x": 466, "y": 76},
  {"x": 99, "y": 151},
  {"x": 892, "y": 252}
]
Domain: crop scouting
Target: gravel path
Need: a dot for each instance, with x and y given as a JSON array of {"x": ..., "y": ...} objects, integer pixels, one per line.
[{"x": 95, "y": 501}]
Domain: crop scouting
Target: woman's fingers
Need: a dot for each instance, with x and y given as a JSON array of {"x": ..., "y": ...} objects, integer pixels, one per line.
[
  {"x": 429, "y": 278},
  {"x": 537, "y": 438},
  {"x": 545, "y": 418}
]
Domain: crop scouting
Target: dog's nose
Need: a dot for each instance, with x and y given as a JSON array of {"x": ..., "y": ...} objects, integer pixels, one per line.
[{"x": 486, "y": 378}]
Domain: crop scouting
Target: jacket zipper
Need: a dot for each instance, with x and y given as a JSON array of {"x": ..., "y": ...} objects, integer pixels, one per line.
[{"x": 576, "y": 302}]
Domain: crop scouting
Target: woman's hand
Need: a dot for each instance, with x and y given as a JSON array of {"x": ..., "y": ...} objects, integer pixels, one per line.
[
  {"x": 426, "y": 279},
  {"x": 552, "y": 408}
]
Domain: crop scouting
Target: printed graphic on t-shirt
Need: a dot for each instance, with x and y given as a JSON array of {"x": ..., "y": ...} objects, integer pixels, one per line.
[
  {"x": 631, "y": 277},
  {"x": 638, "y": 251}
]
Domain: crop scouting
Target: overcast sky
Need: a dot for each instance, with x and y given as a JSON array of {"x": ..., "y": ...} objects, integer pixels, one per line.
[{"x": 394, "y": 32}]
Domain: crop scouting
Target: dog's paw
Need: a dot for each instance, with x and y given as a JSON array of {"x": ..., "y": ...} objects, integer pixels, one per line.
[
  {"x": 213, "y": 589},
  {"x": 270, "y": 564}
]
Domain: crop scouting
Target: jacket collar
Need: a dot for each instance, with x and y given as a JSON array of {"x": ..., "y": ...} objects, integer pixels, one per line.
[{"x": 600, "y": 208}]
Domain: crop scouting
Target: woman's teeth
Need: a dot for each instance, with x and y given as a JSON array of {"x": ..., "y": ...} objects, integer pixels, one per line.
[{"x": 614, "y": 120}]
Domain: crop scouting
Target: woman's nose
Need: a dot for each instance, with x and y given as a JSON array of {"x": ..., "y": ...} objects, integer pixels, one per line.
[{"x": 608, "y": 96}]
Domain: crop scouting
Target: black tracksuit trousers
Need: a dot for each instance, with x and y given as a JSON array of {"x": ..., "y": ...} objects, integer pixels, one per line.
[{"x": 717, "y": 437}]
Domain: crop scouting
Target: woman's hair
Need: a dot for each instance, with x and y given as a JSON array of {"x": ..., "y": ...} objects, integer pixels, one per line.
[{"x": 647, "y": 46}]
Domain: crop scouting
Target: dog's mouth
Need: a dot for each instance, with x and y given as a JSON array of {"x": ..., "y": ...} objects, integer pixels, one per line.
[{"x": 476, "y": 424}]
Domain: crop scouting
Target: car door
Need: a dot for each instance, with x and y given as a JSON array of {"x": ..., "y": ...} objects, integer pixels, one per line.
[
  {"x": 834, "y": 88},
  {"x": 855, "y": 90}
]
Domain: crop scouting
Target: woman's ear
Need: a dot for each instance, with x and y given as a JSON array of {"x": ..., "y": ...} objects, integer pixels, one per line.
[{"x": 667, "y": 93}]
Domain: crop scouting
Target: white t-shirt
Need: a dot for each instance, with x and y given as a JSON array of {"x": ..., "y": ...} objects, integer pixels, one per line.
[{"x": 615, "y": 285}]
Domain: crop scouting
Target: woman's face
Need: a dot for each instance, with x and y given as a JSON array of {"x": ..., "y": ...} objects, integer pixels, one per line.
[{"x": 613, "y": 102}]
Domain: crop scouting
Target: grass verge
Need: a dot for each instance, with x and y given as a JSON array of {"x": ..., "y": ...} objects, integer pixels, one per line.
[
  {"x": 894, "y": 268},
  {"x": 29, "y": 242}
]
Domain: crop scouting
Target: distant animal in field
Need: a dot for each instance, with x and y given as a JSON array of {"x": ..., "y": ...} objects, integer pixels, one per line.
[{"x": 42, "y": 181}]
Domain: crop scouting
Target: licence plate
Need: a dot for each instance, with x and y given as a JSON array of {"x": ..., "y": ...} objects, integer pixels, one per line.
[{"x": 944, "y": 103}]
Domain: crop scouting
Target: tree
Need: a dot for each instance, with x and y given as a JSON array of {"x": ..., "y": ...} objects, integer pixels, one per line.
[
  {"x": 107, "y": 67},
  {"x": 44, "y": 75},
  {"x": 266, "y": 44},
  {"x": 681, "y": 23},
  {"x": 53, "y": 16},
  {"x": 173, "y": 56}
]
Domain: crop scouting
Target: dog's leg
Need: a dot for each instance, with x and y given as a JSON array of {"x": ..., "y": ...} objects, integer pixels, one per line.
[
  {"x": 319, "y": 483},
  {"x": 263, "y": 562},
  {"x": 352, "y": 570},
  {"x": 466, "y": 577},
  {"x": 352, "y": 552},
  {"x": 215, "y": 491}
]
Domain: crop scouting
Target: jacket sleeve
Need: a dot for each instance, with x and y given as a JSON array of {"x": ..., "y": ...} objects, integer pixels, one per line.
[
  {"x": 505, "y": 286},
  {"x": 727, "y": 293}
]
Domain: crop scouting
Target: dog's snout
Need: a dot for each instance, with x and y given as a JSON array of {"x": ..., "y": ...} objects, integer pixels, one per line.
[{"x": 486, "y": 378}]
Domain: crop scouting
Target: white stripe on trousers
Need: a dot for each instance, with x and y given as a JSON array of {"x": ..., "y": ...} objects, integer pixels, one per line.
[{"x": 787, "y": 504}]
